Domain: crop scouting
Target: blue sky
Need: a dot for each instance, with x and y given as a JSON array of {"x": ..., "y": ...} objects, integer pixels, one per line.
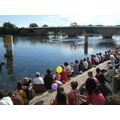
[
  {"x": 25, "y": 20},
  {"x": 60, "y": 12},
  {"x": 59, "y": 20}
]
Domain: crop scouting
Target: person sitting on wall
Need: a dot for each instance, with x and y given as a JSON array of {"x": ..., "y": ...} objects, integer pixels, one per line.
[
  {"x": 61, "y": 97},
  {"x": 64, "y": 75},
  {"x": 93, "y": 60},
  {"x": 22, "y": 93},
  {"x": 89, "y": 63},
  {"x": 48, "y": 79},
  {"x": 74, "y": 95},
  {"x": 5, "y": 100},
  {"x": 93, "y": 94},
  {"x": 16, "y": 98},
  {"x": 57, "y": 78},
  {"x": 75, "y": 67},
  {"x": 85, "y": 64},
  {"x": 82, "y": 88},
  {"x": 103, "y": 86},
  {"x": 38, "y": 79},
  {"x": 81, "y": 66},
  {"x": 68, "y": 69},
  {"x": 109, "y": 75},
  {"x": 38, "y": 83}
]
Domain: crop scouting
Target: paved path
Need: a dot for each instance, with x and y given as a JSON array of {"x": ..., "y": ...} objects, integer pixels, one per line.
[{"x": 48, "y": 95}]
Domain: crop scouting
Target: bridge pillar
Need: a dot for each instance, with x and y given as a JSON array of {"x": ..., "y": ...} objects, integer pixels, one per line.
[
  {"x": 72, "y": 35},
  {"x": 107, "y": 36},
  {"x": 86, "y": 43},
  {"x": 8, "y": 44}
]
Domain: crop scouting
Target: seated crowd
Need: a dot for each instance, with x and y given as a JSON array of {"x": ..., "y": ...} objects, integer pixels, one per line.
[{"x": 96, "y": 89}]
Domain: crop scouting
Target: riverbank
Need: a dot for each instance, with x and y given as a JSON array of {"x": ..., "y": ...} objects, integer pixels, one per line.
[{"x": 44, "y": 99}]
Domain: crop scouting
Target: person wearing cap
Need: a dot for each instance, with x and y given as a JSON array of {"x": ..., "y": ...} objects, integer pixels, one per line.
[
  {"x": 38, "y": 83},
  {"x": 38, "y": 79}
]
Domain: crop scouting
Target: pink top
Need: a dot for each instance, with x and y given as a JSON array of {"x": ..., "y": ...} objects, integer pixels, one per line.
[
  {"x": 97, "y": 99},
  {"x": 58, "y": 77},
  {"x": 74, "y": 97}
]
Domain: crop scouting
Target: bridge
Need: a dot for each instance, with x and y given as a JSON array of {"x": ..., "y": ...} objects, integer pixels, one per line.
[{"x": 105, "y": 31}]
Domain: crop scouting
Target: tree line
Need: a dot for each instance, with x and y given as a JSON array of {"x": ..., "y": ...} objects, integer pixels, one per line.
[{"x": 9, "y": 28}]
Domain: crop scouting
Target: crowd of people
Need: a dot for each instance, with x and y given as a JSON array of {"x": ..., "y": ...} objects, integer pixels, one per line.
[{"x": 96, "y": 90}]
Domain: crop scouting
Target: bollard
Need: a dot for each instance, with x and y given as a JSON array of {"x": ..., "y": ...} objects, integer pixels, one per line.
[{"x": 9, "y": 45}]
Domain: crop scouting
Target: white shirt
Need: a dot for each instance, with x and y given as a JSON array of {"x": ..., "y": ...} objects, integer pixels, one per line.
[
  {"x": 97, "y": 60},
  {"x": 38, "y": 80},
  {"x": 6, "y": 101},
  {"x": 85, "y": 64}
]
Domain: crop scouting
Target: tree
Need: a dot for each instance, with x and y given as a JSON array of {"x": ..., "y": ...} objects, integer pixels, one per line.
[
  {"x": 74, "y": 24},
  {"x": 33, "y": 25},
  {"x": 9, "y": 28},
  {"x": 90, "y": 25},
  {"x": 45, "y": 25}
]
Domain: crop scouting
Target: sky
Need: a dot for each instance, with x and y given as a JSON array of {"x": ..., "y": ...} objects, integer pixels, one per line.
[
  {"x": 59, "y": 20},
  {"x": 60, "y": 12}
]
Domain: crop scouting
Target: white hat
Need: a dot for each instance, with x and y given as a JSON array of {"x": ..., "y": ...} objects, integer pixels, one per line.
[{"x": 37, "y": 73}]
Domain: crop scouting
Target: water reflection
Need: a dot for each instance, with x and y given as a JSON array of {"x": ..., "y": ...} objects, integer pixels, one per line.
[
  {"x": 10, "y": 68},
  {"x": 8, "y": 44},
  {"x": 86, "y": 45},
  {"x": 107, "y": 43}
]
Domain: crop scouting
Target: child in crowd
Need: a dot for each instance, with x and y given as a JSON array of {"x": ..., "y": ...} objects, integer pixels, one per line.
[
  {"x": 74, "y": 95},
  {"x": 61, "y": 97}
]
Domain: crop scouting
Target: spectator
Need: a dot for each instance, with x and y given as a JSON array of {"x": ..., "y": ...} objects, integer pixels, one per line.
[
  {"x": 93, "y": 60},
  {"x": 82, "y": 88},
  {"x": 85, "y": 64},
  {"x": 74, "y": 95},
  {"x": 110, "y": 74},
  {"x": 64, "y": 76},
  {"x": 16, "y": 98},
  {"x": 22, "y": 93},
  {"x": 68, "y": 69},
  {"x": 94, "y": 96},
  {"x": 81, "y": 67},
  {"x": 48, "y": 79},
  {"x": 98, "y": 72},
  {"x": 76, "y": 67},
  {"x": 61, "y": 97},
  {"x": 89, "y": 63},
  {"x": 103, "y": 86},
  {"x": 38, "y": 79},
  {"x": 112, "y": 60},
  {"x": 5, "y": 100}
]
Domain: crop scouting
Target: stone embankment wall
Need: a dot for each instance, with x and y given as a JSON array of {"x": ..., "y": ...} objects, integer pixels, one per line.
[{"x": 45, "y": 98}]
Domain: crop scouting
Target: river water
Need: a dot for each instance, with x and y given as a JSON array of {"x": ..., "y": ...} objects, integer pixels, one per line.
[{"x": 38, "y": 54}]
